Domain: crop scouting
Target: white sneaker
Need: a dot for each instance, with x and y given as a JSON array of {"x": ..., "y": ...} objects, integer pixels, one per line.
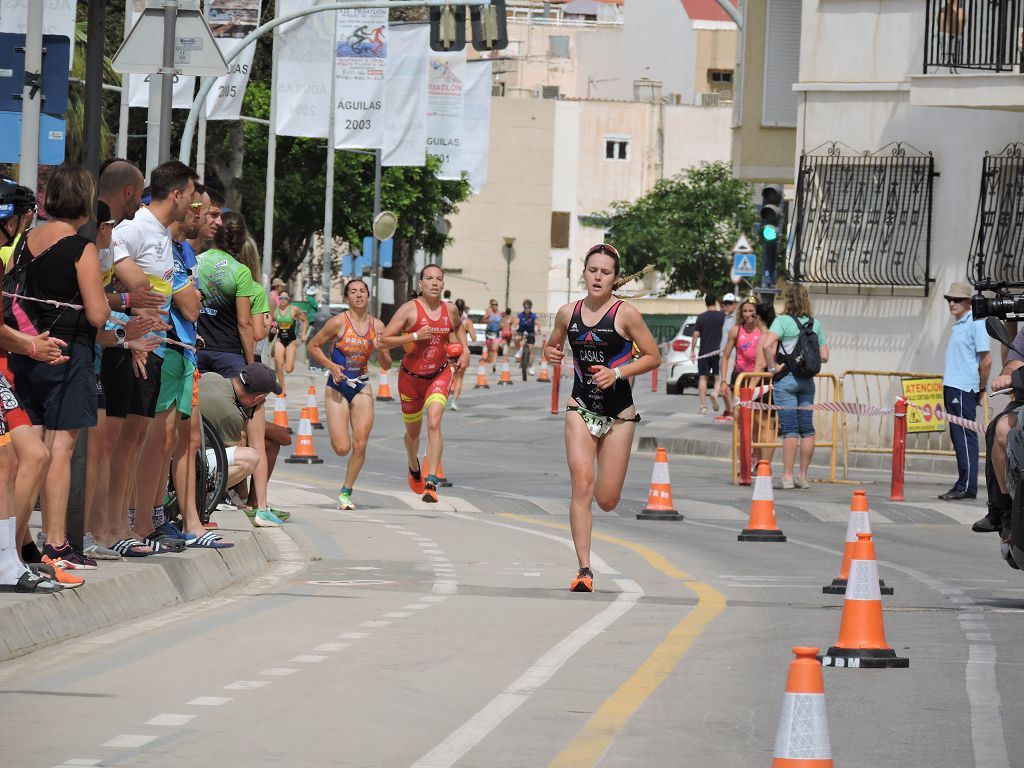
[
  {"x": 519, "y": 356},
  {"x": 530, "y": 371},
  {"x": 455, "y": 405}
]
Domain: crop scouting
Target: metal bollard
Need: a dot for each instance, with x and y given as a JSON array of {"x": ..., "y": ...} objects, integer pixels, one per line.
[
  {"x": 76, "y": 492},
  {"x": 746, "y": 422},
  {"x": 556, "y": 381},
  {"x": 899, "y": 450},
  {"x": 654, "y": 380}
]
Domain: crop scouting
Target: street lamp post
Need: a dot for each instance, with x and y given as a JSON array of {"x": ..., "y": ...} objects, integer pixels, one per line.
[{"x": 509, "y": 253}]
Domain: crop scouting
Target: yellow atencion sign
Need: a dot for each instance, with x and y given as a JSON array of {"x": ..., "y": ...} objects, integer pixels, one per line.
[{"x": 930, "y": 414}]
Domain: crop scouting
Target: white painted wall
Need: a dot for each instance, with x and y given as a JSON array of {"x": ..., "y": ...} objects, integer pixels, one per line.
[{"x": 856, "y": 61}]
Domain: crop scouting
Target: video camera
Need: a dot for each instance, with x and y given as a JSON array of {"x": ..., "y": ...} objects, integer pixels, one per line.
[{"x": 1004, "y": 304}]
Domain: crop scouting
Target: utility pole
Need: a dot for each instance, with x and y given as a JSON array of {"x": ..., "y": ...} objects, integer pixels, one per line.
[
  {"x": 31, "y": 96},
  {"x": 97, "y": 17},
  {"x": 122, "y": 121},
  {"x": 268, "y": 205},
  {"x": 329, "y": 196},
  {"x": 167, "y": 78},
  {"x": 375, "y": 293}
]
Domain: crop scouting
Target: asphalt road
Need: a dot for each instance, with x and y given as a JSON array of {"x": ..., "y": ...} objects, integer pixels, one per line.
[{"x": 406, "y": 634}]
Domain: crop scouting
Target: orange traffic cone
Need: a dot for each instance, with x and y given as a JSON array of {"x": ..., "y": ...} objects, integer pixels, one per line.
[
  {"x": 304, "y": 452},
  {"x": 384, "y": 390},
  {"x": 802, "y": 740},
  {"x": 761, "y": 526},
  {"x": 506, "y": 374},
  {"x": 859, "y": 523},
  {"x": 442, "y": 481},
  {"x": 861, "y": 632},
  {"x": 314, "y": 413},
  {"x": 659, "y": 499},
  {"x": 481, "y": 376},
  {"x": 281, "y": 412},
  {"x": 543, "y": 374}
]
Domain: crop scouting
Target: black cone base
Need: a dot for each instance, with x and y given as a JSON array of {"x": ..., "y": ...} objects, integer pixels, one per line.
[
  {"x": 504, "y": 383},
  {"x": 444, "y": 483},
  {"x": 752, "y": 534},
  {"x": 838, "y": 587},
  {"x": 863, "y": 658},
  {"x": 658, "y": 514},
  {"x": 384, "y": 399},
  {"x": 318, "y": 426},
  {"x": 482, "y": 386},
  {"x": 303, "y": 460}
]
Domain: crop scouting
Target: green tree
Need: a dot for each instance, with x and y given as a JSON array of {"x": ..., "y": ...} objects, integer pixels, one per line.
[{"x": 686, "y": 226}]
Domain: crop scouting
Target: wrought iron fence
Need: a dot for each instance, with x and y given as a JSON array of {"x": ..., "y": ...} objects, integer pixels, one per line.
[
  {"x": 864, "y": 218},
  {"x": 997, "y": 248},
  {"x": 973, "y": 34}
]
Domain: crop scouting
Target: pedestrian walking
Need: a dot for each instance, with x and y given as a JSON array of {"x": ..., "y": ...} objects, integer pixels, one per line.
[
  {"x": 724, "y": 382},
  {"x": 707, "y": 331},
  {"x": 600, "y": 416},
  {"x": 968, "y": 361},
  {"x": 353, "y": 336},
  {"x": 794, "y": 350},
  {"x": 460, "y": 375},
  {"x": 744, "y": 338}
]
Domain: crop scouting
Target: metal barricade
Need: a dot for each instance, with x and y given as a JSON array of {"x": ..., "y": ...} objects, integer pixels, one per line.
[
  {"x": 873, "y": 434},
  {"x": 764, "y": 424}
]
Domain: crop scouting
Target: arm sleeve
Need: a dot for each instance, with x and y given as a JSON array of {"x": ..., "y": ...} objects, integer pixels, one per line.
[
  {"x": 1018, "y": 343},
  {"x": 249, "y": 288},
  {"x": 122, "y": 244},
  {"x": 981, "y": 340},
  {"x": 820, "y": 333}
]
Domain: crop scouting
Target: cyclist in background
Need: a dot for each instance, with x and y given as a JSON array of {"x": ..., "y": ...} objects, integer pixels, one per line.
[{"x": 526, "y": 334}]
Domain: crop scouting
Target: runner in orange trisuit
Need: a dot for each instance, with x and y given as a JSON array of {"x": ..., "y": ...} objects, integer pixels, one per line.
[{"x": 423, "y": 327}]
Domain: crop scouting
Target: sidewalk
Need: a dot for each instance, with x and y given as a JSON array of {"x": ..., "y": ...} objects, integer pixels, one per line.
[{"x": 134, "y": 588}]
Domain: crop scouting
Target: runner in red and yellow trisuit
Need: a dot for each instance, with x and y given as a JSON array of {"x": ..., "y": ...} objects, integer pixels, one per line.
[{"x": 424, "y": 327}]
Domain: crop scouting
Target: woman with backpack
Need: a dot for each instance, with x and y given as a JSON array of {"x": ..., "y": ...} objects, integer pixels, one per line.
[{"x": 795, "y": 349}]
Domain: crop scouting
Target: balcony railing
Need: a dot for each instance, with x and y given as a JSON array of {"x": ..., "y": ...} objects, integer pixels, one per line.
[
  {"x": 997, "y": 249},
  {"x": 984, "y": 35}
]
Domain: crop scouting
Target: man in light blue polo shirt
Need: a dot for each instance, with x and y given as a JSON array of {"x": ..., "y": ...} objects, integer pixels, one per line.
[{"x": 966, "y": 374}]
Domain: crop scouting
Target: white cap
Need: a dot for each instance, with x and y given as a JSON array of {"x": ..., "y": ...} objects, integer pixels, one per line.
[{"x": 729, "y": 298}]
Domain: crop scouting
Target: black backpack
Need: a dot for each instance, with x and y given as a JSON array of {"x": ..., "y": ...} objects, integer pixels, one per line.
[{"x": 804, "y": 362}]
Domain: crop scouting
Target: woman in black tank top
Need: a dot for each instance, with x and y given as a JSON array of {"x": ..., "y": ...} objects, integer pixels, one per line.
[{"x": 600, "y": 418}]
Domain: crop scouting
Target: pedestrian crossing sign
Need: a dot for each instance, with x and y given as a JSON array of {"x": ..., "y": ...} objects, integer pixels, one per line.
[{"x": 743, "y": 264}]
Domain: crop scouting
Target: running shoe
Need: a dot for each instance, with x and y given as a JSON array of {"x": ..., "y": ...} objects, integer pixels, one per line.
[
  {"x": 264, "y": 518},
  {"x": 280, "y": 514},
  {"x": 96, "y": 551},
  {"x": 455, "y": 404},
  {"x": 60, "y": 574},
  {"x": 530, "y": 371},
  {"x": 430, "y": 493},
  {"x": 714, "y": 403},
  {"x": 584, "y": 581},
  {"x": 345, "y": 501},
  {"x": 74, "y": 560},
  {"x": 416, "y": 482}
]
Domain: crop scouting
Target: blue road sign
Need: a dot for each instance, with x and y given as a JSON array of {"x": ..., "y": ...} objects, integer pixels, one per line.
[
  {"x": 57, "y": 52},
  {"x": 743, "y": 264},
  {"x": 386, "y": 251},
  {"x": 51, "y": 138}
]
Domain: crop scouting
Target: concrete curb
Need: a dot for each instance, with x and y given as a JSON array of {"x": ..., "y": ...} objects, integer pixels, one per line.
[
  {"x": 133, "y": 588},
  {"x": 688, "y": 446}
]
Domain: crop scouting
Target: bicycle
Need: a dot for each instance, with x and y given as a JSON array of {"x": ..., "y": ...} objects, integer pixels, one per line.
[
  {"x": 211, "y": 475},
  {"x": 525, "y": 359}
]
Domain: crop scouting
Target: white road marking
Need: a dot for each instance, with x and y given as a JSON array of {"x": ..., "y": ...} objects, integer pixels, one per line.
[
  {"x": 397, "y": 615},
  {"x": 392, "y": 526},
  {"x": 476, "y": 729},
  {"x": 407, "y": 533},
  {"x": 208, "y": 701},
  {"x": 415, "y": 607},
  {"x": 445, "y": 587},
  {"x": 373, "y": 623},
  {"x": 170, "y": 720},
  {"x": 81, "y": 761},
  {"x": 433, "y": 552},
  {"x": 246, "y": 685},
  {"x": 129, "y": 741},
  {"x": 279, "y": 671},
  {"x": 352, "y": 635},
  {"x": 306, "y": 659},
  {"x": 433, "y": 598},
  {"x": 331, "y": 647}
]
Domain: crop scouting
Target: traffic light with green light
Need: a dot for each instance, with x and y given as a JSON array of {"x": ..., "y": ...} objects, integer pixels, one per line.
[{"x": 771, "y": 213}]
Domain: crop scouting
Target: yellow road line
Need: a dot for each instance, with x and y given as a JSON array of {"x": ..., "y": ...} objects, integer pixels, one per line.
[{"x": 594, "y": 739}]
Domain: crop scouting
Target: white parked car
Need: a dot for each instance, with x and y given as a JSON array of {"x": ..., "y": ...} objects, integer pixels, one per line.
[
  {"x": 682, "y": 372},
  {"x": 477, "y": 317}
]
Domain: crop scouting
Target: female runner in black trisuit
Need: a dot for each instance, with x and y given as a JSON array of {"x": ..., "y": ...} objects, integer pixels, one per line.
[{"x": 600, "y": 417}]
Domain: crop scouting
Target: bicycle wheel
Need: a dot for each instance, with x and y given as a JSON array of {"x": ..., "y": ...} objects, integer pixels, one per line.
[
  {"x": 525, "y": 359},
  {"x": 210, "y": 491}
]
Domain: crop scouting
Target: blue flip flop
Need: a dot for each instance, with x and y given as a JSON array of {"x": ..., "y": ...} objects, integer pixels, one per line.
[{"x": 210, "y": 540}]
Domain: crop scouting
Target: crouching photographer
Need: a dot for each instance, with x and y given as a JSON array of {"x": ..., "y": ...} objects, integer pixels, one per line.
[{"x": 1004, "y": 438}]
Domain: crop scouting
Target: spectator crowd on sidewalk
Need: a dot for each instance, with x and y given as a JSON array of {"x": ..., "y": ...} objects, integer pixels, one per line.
[{"x": 128, "y": 311}]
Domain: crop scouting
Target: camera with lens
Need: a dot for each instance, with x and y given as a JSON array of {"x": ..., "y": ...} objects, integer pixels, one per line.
[{"x": 1008, "y": 301}]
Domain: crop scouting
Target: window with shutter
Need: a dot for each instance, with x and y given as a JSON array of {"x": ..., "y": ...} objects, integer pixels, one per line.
[
  {"x": 559, "y": 229},
  {"x": 781, "y": 63},
  {"x": 558, "y": 47}
]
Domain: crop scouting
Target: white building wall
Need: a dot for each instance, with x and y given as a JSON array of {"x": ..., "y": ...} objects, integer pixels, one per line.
[{"x": 856, "y": 61}]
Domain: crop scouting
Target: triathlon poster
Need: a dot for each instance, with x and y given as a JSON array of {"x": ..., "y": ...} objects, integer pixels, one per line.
[
  {"x": 229, "y": 21},
  {"x": 446, "y": 82},
  {"x": 476, "y": 123},
  {"x": 58, "y": 19},
  {"x": 138, "y": 85},
  {"x": 360, "y": 69},
  {"x": 302, "y": 81}
]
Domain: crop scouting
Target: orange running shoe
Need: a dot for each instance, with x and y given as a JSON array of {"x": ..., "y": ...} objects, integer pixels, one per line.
[
  {"x": 416, "y": 481},
  {"x": 584, "y": 581},
  {"x": 430, "y": 493},
  {"x": 61, "y": 576}
]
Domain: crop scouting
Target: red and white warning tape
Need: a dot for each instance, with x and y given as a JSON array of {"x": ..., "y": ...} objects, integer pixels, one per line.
[{"x": 858, "y": 409}]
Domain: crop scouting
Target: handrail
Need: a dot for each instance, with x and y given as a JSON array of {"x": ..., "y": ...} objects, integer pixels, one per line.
[{"x": 961, "y": 34}]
